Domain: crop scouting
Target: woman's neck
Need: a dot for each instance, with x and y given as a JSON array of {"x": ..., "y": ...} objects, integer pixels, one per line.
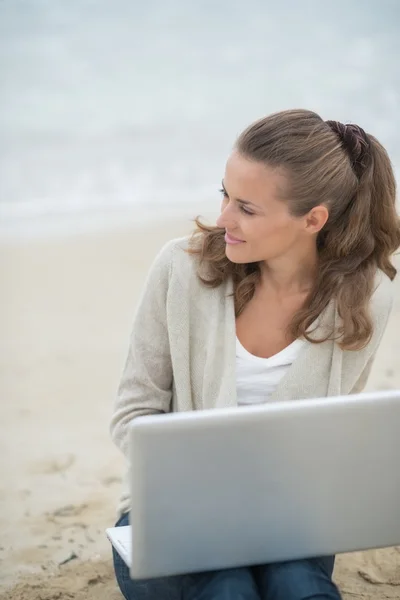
[{"x": 289, "y": 275}]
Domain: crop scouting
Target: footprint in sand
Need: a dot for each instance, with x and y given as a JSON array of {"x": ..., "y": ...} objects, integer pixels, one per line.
[
  {"x": 107, "y": 481},
  {"x": 53, "y": 466},
  {"x": 70, "y": 510},
  {"x": 381, "y": 567}
]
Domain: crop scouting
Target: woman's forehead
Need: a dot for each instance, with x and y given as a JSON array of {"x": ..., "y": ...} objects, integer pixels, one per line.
[{"x": 252, "y": 181}]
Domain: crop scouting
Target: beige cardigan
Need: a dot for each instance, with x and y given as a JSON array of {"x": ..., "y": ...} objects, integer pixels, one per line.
[{"x": 182, "y": 349}]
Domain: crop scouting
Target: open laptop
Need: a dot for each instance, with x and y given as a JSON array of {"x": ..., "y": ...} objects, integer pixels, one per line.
[{"x": 252, "y": 485}]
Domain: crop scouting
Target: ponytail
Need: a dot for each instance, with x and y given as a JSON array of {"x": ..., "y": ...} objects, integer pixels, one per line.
[
  {"x": 371, "y": 227},
  {"x": 385, "y": 223},
  {"x": 361, "y": 239}
]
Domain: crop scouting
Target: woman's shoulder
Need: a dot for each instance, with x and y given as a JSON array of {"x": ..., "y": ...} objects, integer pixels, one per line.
[
  {"x": 175, "y": 259},
  {"x": 184, "y": 271},
  {"x": 176, "y": 253},
  {"x": 382, "y": 299},
  {"x": 383, "y": 294}
]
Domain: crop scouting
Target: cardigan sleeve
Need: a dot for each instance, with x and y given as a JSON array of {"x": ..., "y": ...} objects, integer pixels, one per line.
[
  {"x": 363, "y": 379},
  {"x": 381, "y": 304},
  {"x": 146, "y": 383}
]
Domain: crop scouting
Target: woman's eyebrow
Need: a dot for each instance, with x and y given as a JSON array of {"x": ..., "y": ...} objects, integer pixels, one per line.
[{"x": 247, "y": 202}]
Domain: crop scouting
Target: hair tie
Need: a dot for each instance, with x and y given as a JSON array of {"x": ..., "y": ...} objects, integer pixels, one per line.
[{"x": 355, "y": 142}]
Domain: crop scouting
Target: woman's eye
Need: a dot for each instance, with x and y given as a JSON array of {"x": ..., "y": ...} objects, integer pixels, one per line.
[
  {"x": 241, "y": 207},
  {"x": 245, "y": 211},
  {"x": 223, "y": 192}
]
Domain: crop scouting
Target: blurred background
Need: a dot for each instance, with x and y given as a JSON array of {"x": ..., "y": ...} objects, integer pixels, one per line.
[
  {"x": 125, "y": 109},
  {"x": 116, "y": 118}
]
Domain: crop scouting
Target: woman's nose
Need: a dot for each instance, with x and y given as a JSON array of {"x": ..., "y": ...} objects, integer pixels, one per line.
[
  {"x": 225, "y": 219},
  {"x": 220, "y": 221}
]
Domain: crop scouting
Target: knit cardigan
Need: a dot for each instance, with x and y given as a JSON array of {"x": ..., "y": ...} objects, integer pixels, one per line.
[{"x": 182, "y": 352}]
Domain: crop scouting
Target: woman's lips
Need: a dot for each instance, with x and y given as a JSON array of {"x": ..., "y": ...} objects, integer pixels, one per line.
[{"x": 229, "y": 239}]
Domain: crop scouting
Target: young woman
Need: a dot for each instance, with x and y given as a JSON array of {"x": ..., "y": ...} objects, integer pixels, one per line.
[{"x": 286, "y": 298}]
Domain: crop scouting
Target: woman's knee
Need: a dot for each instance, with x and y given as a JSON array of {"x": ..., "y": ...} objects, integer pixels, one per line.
[
  {"x": 130, "y": 589},
  {"x": 226, "y": 584},
  {"x": 120, "y": 568},
  {"x": 299, "y": 580},
  {"x": 122, "y": 575}
]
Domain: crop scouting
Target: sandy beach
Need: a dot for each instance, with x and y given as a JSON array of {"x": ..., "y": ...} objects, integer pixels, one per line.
[{"x": 66, "y": 312}]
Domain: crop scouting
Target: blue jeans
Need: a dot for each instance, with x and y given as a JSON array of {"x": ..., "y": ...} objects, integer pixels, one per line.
[{"x": 309, "y": 579}]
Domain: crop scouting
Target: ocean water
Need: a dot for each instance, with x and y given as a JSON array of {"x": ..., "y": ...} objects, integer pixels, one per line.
[{"x": 125, "y": 110}]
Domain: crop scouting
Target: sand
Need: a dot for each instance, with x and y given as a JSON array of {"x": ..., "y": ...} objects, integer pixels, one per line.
[{"x": 66, "y": 311}]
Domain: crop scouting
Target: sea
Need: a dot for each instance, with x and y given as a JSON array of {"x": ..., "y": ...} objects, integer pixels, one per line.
[{"x": 117, "y": 111}]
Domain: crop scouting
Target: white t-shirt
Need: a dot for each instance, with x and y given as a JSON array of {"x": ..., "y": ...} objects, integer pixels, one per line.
[{"x": 257, "y": 378}]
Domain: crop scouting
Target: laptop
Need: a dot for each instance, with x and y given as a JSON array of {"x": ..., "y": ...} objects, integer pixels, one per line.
[{"x": 252, "y": 485}]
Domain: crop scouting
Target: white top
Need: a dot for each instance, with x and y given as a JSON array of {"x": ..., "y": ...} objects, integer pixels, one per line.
[{"x": 257, "y": 378}]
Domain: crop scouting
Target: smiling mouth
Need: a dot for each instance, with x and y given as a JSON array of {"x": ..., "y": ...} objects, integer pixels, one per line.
[{"x": 230, "y": 239}]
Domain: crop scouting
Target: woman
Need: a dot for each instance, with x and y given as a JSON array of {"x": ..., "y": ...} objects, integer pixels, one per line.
[{"x": 295, "y": 279}]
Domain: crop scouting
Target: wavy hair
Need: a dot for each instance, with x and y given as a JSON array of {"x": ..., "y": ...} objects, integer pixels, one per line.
[{"x": 347, "y": 170}]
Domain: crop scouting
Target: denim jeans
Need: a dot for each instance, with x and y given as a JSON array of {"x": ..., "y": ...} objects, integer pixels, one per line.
[{"x": 309, "y": 579}]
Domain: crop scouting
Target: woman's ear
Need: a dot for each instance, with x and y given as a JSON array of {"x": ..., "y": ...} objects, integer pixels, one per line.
[{"x": 316, "y": 218}]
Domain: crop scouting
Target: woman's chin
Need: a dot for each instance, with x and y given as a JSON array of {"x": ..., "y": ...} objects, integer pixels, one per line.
[{"x": 235, "y": 253}]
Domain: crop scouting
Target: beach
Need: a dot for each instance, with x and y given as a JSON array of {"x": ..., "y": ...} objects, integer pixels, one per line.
[
  {"x": 115, "y": 125},
  {"x": 66, "y": 312}
]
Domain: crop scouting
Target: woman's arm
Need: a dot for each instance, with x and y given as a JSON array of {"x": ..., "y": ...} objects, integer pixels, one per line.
[
  {"x": 146, "y": 383},
  {"x": 381, "y": 308},
  {"x": 363, "y": 379}
]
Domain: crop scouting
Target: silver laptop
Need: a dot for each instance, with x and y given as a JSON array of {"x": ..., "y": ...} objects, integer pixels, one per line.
[{"x": 253, "y": 485}]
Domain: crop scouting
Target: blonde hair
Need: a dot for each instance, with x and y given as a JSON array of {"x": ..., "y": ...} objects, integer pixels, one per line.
[{"x": 347, "y": 170}]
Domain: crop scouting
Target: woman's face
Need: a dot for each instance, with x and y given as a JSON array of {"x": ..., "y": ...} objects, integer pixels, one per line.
[{"x": 257, "y": 222}]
